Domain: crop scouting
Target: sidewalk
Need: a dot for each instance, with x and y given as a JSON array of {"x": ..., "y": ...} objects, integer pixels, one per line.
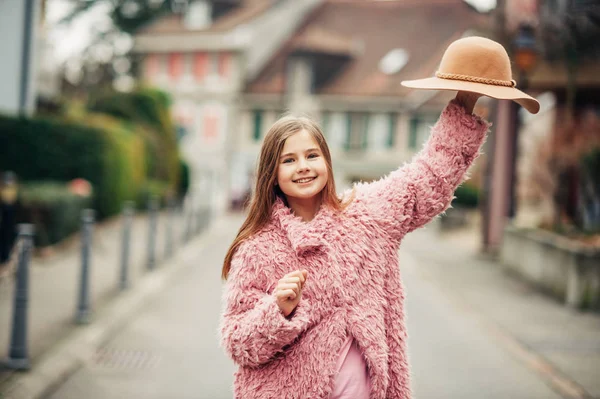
[
  {"x": 560, "y": 344},
  {"x": 54, "y": 281}
]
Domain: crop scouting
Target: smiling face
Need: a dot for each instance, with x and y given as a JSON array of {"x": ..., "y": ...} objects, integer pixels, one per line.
[{"x": 302, "y": 171}]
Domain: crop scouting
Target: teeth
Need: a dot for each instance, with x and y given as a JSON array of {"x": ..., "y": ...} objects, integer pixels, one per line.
[{"x": 304, "y": 180}]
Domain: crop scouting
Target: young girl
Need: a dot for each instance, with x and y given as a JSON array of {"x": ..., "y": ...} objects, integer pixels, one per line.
[{"x": 314, "y": 303}]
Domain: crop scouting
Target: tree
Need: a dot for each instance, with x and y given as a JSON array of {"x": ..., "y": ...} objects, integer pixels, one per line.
[
  {"x": 570, "y": 33},
  {"x": 108, "y": 58}
]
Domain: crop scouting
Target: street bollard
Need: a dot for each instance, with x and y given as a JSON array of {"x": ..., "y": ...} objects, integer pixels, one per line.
[
  {"x": 185, "y": 224},
  {"x": 203, "y": 218},
  {"x": 18, "y": 355},
  {"x": 189, "y": 223},
  {"x": 8, "y": 210},
  {"x": 128, "y": 211},
  {"x": 82, "y": 315},
  {"x": 152, "y": 222},
  {"x": 198, "y": 219},
  {"x": 169, "y": 232}
]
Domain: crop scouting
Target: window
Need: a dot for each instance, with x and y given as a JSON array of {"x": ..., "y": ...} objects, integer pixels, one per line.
[
  {"x": 211, "y": 126},
  {"x": 357, "y": 126},
  {"x": 200, "y": 66},
  {"x": 325, "y": 123},
  {"x": 420, "y": 127},
  {"x": 392, "y": 130},
  {"x": 336, "y": 130},
  {"x": 152, "y": 66},
  {"x": 393, "y": 61},
  {"x": 381, "y": 131},
  {"x": 224, "y": 65},
  {"x": 257, "y": 118},
  {"x": 175, "y": 65}
]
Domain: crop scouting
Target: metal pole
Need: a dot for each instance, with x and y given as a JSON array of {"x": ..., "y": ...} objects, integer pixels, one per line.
[
  {"x": 18, "y": 358},
  {"x": 83, "y": 307},
  {"x": 186, "y": 221},
  {"x": 169, "y": 232},
  {"x": 128, "y": 212},
  {"x": 152, "y": 222},
  {"x": 198, "y": 218},
  {"x": 28, "y": 26}
]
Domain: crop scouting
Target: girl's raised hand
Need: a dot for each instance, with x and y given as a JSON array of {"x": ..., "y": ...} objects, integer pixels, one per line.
[
  {"x": 467, "y": 99},
  {"x": 288, "y": 291}
]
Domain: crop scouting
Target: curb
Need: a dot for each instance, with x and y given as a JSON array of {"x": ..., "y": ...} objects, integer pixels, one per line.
[{"x": 79, "y": 346}]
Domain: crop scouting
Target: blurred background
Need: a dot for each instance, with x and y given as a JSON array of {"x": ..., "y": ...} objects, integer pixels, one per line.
[{"x": 160, "y": 107}]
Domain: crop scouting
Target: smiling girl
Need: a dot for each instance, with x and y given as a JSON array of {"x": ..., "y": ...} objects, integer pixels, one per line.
[{"x": 313, "y": 306}]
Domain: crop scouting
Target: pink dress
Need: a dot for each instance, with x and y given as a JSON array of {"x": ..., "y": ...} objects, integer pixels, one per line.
[{"x": 352, "y": 380}]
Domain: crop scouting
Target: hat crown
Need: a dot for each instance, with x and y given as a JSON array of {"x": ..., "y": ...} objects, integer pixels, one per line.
[{"x": 477, "y": 57}]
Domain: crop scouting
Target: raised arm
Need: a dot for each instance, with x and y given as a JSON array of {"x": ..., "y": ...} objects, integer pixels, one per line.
[
  {"x": 252, "y": 327},
  {"x": 412, "y": 195}
]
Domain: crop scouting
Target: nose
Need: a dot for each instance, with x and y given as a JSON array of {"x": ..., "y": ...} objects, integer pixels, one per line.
[{"x": 302, "y": 165}]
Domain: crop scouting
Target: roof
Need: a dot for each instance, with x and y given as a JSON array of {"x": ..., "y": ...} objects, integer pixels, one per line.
[
  {"x": 174, "y": 23},
  {"x": 366, "y": 31},
  {"x": 316, "y": 39}
]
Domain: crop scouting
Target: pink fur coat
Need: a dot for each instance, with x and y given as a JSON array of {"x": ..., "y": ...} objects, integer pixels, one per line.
[{"x": 354, "y": 282}]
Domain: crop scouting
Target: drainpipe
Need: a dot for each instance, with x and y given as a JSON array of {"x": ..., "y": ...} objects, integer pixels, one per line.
[{"x": 26, "y": 55}]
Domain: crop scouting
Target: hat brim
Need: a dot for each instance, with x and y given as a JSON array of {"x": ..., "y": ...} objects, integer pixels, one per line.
[{"x": 498, "y": 92}]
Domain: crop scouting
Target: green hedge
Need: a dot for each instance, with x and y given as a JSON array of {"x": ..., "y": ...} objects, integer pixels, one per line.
[
  {"x": 153, "y": 188},
  {"x": 99, "y": 149},
  {"x": 55, "y": 211},
  {"x": 184, "y": 178},
  {"x": 148, "y": 109},
  {"x": 467, "y": 196}
]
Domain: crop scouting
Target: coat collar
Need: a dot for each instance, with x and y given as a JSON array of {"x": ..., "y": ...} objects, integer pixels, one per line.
[{"x": 304, "y": 236}]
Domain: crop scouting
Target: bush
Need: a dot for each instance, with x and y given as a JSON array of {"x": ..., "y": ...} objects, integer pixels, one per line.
[
  {"x": 467, "y": 196},
  {"x": 98, "y": 149},
  {"x": 52, "y": 208},
  {"x": 148, "y": 109},
  {"x": 153, "y": 188},
  {"x": 589, "y": 192},
  {"x": 184, "y": 178}
]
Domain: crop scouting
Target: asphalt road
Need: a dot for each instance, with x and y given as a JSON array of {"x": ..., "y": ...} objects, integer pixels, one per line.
[{"x": 170, "y": 350}]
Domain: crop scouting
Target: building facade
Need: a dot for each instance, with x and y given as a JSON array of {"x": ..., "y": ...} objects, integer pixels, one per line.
[
  {"x": 232, "y": 73},
  {"x": 343, "y": 68},
  {"x": 203, "y": 57}
]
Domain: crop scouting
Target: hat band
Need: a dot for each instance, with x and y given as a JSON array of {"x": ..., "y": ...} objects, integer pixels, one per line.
[{"x": 474, "y": 79}]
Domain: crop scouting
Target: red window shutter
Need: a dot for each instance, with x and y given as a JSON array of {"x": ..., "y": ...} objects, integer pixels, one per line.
[
  {"x": 152, "y": 65},
  {"x": 200, "y": 66},
  {"x": 211, "y": 126},
  {"x": 175, "y": 65},
  {"x": 224, "y": 64}
]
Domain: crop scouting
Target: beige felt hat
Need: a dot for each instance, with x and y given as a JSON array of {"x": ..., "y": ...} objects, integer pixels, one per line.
[{"x": 479, "y": 65}]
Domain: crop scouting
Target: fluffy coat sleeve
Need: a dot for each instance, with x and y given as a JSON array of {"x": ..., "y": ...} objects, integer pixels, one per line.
[
  {"x": 412, "y": 195},
  {"x": 252, "y": 327}
]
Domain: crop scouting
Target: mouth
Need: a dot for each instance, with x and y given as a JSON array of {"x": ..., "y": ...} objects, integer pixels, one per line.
[{"x": 304, "y": 180}]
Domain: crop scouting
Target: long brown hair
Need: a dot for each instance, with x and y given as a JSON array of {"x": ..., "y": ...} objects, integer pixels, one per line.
[{"x": 266, "y": 192}]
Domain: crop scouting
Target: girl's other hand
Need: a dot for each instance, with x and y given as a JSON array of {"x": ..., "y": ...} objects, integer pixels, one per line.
[
  {"x": 467, "y": 99},
  {"x": 288, "y": 291}
]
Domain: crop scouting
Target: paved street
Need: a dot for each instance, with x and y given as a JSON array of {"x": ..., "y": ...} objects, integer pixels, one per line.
[
  {"x": 170, "y": 350},
  {"x": 54, "y": 280}
]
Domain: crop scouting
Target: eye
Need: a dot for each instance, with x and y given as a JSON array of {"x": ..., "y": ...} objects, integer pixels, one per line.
[
  {"x": 287, "y": 160},
  {"x": 313, "y": 155}
]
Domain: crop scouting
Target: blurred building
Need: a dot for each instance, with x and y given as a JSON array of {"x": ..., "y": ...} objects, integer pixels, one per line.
[
  {"x": 343, "y": 67},
  {"x": 18, "y": 29},
  {"x": 203, "y": 57},
  {"x": 234, "y": 67},
  {"x": 560, "y": 65}
]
